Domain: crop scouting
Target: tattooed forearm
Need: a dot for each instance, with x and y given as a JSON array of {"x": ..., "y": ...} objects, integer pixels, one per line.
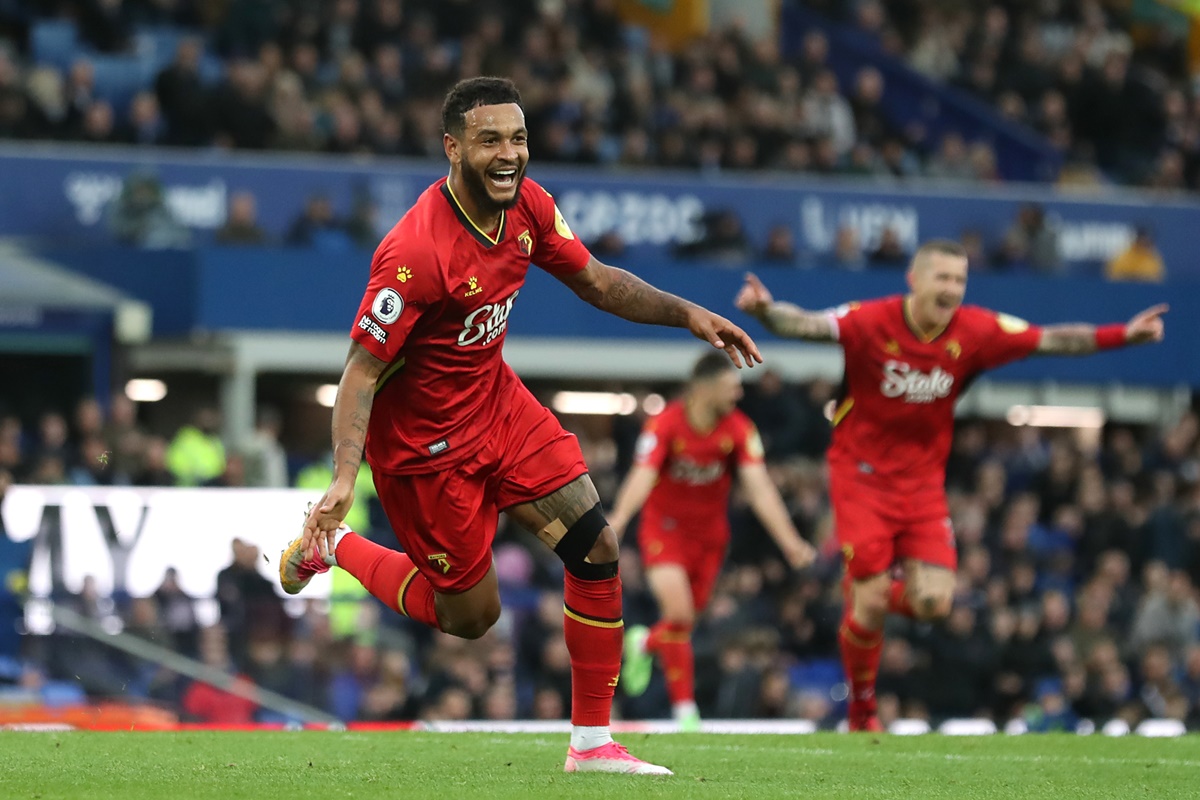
[
  {"x": 785, "y": 319},
  {"x": 631, "y": 298},
  {"x": 1068, "y": 340},
  {"x": 352, "y": 412}
]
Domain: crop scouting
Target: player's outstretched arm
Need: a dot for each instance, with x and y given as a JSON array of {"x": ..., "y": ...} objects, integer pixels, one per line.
[
  {"x": 629, "y": 297},
  {"x": 631, "y": 497},
  {"x": 782, "y": 319},
  {"x": 768, "y": 506},
  {"x": 351, "y": 413},
  {"x": 1081, "y": 339}
]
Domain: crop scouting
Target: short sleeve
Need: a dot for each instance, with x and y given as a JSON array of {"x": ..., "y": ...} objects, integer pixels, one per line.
[
  {"x": 651, "y": 449},
  {"x": 846, "y": 321},
  {"x": 398, "y": 292},
  {"x": 749, "y": 447},
  {"x": 1003, "y": 338},
  {"x": 555, "y": 248}
]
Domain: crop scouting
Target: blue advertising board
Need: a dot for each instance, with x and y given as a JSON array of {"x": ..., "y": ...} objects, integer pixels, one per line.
[{"x": 62, "y": 195}]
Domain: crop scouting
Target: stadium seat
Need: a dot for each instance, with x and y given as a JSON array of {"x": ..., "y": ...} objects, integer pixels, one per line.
[
  {"x": 54, "y": 42},
  {"x": 157, "y": 44},
  {"x": 119, "y": 78},
  {"x": 62, "y": 693}
]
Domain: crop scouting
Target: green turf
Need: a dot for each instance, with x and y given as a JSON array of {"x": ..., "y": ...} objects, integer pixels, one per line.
[{"x": 257, "y": 766}]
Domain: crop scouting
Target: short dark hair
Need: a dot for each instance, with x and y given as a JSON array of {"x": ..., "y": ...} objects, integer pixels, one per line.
[
  {"x": 472, "y": 93},
  {"x": 710, "y": 365}
]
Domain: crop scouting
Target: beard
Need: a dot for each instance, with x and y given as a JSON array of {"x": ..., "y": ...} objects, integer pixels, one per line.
[{"x": 476, "y": 183}]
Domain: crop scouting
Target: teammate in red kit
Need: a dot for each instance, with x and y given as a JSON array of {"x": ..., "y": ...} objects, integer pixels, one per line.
[
  {"x": 907, "y": 360},
  {"x": 451, "y": 434},
  {"x": 680, "y": 481}
]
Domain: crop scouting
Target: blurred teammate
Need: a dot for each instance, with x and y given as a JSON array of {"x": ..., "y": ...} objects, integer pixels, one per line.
[
  {"x": 681, "y": 480},
  {"x": 907, "y": 360},
  {"x": 452, "y": 436}
]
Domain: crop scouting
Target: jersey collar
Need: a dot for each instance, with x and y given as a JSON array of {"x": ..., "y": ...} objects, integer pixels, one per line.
[
  {"x": 924, "y": 338},
  {"x": 479, "y": 233}
]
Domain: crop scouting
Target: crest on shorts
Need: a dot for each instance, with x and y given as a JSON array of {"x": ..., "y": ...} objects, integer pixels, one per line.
[
  {"x": 441, "y": 560},
  {"x": 848, "y": 552}
]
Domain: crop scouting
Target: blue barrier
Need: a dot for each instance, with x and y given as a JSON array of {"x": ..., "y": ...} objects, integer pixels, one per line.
[{"x": 65, "y": 194}]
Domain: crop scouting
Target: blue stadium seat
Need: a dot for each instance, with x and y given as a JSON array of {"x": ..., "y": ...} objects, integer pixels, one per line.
[
  {"x": 55, "y": 42},
  {"x": 62, "y": 693},
  {"x": 819, "y": 674},
  {"x": 157, "y": 44},
  {"x": 119, "y": 78}
]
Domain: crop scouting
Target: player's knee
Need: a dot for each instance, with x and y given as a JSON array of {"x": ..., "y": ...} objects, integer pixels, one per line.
[
  {"x": 475, "y": 624},
  {"x": 679, "y": 618},
  {"x": 606, "y": 550},
  {"x": 932, "y": 606},
  {"x": 871, "y": 604},
  {"x": 589, "y": 548}
]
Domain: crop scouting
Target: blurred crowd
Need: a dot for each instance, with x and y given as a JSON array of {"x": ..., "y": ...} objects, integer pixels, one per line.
[
  {"x": 368, "y": 76},
  {"x": 1077, "y": 594}
]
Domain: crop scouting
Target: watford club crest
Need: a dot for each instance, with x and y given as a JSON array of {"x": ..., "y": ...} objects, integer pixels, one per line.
[
  {"x": 954, "y": 348},
  {"x": 525, "y": 242}
]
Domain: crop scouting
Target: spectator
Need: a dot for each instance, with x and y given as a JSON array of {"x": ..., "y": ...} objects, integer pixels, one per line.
[
  {"x": 182, "y": 97},
  {"x": 781, "y": 246},
  {"x": 241, "y": 223},
  {"x": 196, "y": 454},
  {"x": 318, "y": 227},
  {"x": 847, "y": 252},
  {"x": 890, "y": 252},
  {"x": 140, "y": 216},
  {"x": 1140, "y": 261},
  {"x": 1031, "y": 241},
  {"x": 266, "y": 460}
]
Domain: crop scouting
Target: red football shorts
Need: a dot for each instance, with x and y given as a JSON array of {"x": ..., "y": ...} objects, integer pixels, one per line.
[
  {"x": 446, "y": 520},
  {"x": 877, "y": 528},
  {"x": 701, "y": 553}
]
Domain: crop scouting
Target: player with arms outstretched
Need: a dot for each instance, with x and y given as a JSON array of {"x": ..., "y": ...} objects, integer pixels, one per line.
[
  {"x": 453, "y": 437},
  {"x": 680, "y": 481},
  {"x": 907, "y": 359}
]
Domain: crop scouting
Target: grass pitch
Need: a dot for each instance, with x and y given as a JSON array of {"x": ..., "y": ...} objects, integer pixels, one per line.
[{"x": 461, "y": 766}]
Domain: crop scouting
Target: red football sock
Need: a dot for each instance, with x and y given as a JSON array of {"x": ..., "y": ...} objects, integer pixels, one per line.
[
  {"x": 672, "y": 643},
  {"x": 595, "y": 634},
  {"x": 898, "y": 600},
  {"x": 860, "y": 659},
  {"x": 390, "y": 576}
]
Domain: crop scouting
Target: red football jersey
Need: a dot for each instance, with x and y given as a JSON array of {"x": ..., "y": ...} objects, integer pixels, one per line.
[
  {"x": 895, "y": 418},
  {"x": 694, "y": 468},
  {"x": 436, "y": 309}
]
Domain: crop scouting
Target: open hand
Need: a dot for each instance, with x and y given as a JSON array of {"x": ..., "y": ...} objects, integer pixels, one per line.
[{"x": 724, "y": 335}]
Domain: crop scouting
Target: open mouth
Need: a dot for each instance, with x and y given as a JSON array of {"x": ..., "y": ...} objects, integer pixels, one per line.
[
  {"x": 503, "y": 178},
  {"x": 947, "y": 303}
]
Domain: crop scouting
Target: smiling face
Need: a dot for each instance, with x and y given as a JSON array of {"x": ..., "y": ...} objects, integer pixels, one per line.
[
  {"x": 938, "y": 282},
  {"x": 491, "y": 155}
]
